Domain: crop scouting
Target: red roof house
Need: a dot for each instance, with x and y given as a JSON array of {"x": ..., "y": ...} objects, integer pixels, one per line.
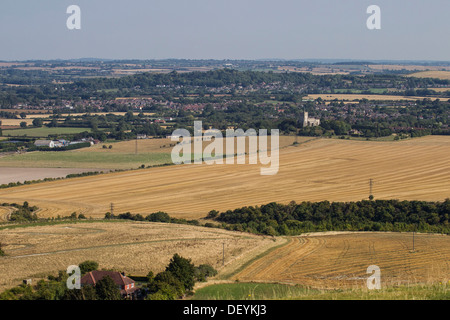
[{"x": 126, "y": 285}]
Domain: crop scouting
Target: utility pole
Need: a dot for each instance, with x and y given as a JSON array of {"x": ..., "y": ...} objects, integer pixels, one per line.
[
  {"x": 112, "y": 209},
  {"x": 371, "y": 189},
  {"x": 223, "y": 255}
]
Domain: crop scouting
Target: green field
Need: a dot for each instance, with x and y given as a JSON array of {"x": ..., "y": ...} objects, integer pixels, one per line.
[
  {"x": 267, "y": 291},
  {"x": 95, "y": 160},
  {"x": 251, "y": 291},
  {"x": 42, "y": 132}
]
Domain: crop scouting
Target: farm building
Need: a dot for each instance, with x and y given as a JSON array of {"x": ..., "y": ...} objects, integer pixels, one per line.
[
  {"x": 44, "y": 143},
  {"x": 126, "y": 285}
]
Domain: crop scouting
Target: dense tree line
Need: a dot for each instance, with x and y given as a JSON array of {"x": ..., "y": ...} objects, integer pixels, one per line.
[
  {"x": 153, "y": 217},
  {"x": 379, "y": 215}
]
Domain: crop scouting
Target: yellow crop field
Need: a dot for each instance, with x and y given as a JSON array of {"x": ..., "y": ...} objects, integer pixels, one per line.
[
  {"x": 314, "y": 170},
  {"x": 15, "y": 122},
  {"x": 133, "y": 247},
  {"x": 399, "y": 67},
  {"x": 445, "y": 75},
  {"x": 340, "y": 260},
  {"x": 440, "y": 89}
]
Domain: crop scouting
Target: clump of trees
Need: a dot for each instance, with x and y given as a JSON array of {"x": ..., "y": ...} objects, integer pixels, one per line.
[
  {"x": 23, "y": 213},
  {"x": 378, "y": 215},
  {"x": 153, "y": 217},
  {"x": 177, "y": 279}
]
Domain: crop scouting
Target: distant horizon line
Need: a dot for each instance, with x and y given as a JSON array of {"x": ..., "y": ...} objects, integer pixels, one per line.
[{"x": 330, "y": 60}]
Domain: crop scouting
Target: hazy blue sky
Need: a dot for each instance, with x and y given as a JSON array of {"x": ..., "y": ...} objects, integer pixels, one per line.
[{"x": 225, "y": 29}]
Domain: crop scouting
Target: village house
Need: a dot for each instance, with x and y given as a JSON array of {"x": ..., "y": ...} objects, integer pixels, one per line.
[{"x": 126, "y": 285}]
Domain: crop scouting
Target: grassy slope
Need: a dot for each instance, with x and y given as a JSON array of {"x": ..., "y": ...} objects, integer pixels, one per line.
[
  {"x": 267, "y": 291},
  {"x": 42, "y": 132},
  {"x": 83, "y": 160}
]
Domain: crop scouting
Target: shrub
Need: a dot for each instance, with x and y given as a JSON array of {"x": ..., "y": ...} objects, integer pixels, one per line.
[
  {"x": 158, "y": 217},
  {"x": 88, "y": 266},
  {"x": 107, "y": 289},
  {"x": 203, "y": 271}
]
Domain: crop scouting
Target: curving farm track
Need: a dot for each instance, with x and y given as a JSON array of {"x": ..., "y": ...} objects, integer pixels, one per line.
[{"x": 5, "y": 213}]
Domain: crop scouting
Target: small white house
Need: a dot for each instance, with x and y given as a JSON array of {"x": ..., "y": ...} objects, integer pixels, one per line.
[{"x": 44, "y": 143}]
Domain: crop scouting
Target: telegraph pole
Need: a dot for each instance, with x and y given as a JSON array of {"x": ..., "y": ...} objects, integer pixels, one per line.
[
  {"x": 370, "y": 189},
  {"x": 112, "y": 209},
  {"x": 223, "y": 255}
]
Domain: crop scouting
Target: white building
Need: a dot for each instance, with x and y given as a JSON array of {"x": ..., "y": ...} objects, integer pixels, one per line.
[
  {"x": 308, "y": 121},
  {"x": 44, "y": 143}
]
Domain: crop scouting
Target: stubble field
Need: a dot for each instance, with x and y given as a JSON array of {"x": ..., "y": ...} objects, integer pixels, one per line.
[
  {"x": 340, "y": 260},
  {"x": 445, "y": 75},
  {"x": 314, "y": 170},
  {"x": 132, "y": 247}
]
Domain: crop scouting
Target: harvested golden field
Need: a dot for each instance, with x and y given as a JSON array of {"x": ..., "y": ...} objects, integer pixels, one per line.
[
  {"x": 133, "y": 247},
  {"x": 352, "y": 97},
  {"x": 5, "y": 212},
  {"x": 406, "y": 67},
  {"x": 314, "y": 170},
  {"x": 27, "y": 111},
  {"x": 440, "y": 89},
  {"x": 445, "y": 75},
  {"x": 340, "y": 260},
  {"x": 15, "y": 122}
]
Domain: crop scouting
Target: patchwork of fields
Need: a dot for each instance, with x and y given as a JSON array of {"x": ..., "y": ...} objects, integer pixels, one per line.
[
  {"x": 122, "y": 155},
  {"x": 312, "y": 170},
  {"x": 322, "y": 169}
]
